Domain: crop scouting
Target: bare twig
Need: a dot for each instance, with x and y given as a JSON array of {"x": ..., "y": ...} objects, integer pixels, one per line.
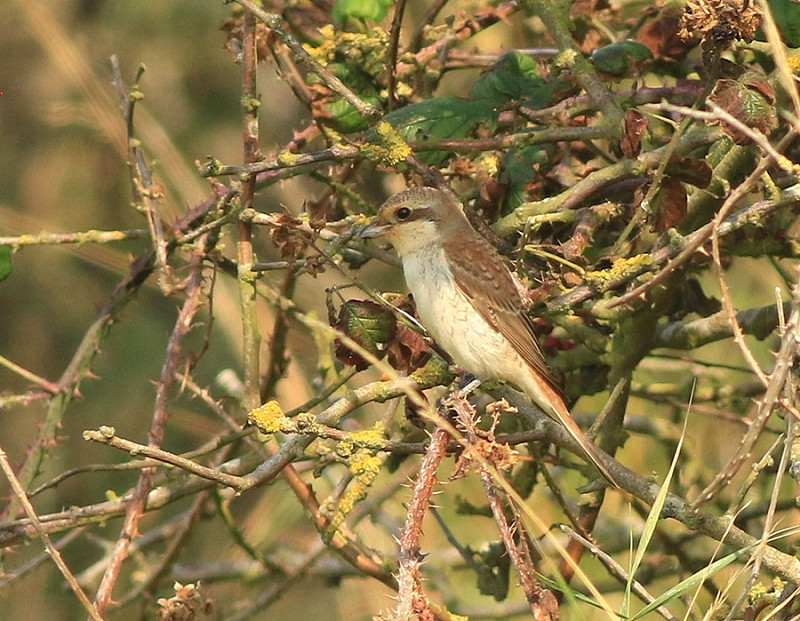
[
  {"x": 78, "y": 369},
  {"x": 178, "y": 540},
  {"x": 137, "y": 504},
  {"x": 145, "y": 190},
  {"x": 278, "y": 587},
  {"x": 20, "y": 572},
  {"x": 774, "y": 388},
  {"x": 616, "y": 570},
  {"x": 730, "y": 310},
  {"x": 29, "y": 376},
  {"x": 80, "y": 365},
  {"x": 107, "y": 435},
  {"x": 394, "y": 43},
  {"x": 52, "y": 550}
]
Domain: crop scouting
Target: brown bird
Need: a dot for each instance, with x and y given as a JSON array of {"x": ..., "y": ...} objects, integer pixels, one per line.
[{"x": 467, "y": 299}]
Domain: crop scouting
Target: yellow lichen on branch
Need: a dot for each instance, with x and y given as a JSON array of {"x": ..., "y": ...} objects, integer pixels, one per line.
[
  {"x": 618, "y": 269},
  {"x": 269, "y": 418},
  {"x": 390, "y": 148}
]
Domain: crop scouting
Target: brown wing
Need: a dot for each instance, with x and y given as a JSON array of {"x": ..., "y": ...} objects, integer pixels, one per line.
[
  {"x": 474, "y": 260},
  {"x": 499, "y": 303}
]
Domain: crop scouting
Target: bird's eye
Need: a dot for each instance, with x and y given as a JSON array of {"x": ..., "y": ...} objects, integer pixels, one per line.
[{"x": 403, "y": 213}]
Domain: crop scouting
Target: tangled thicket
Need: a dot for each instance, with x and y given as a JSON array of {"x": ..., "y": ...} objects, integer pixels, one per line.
[{"x": 636, "y": 165}]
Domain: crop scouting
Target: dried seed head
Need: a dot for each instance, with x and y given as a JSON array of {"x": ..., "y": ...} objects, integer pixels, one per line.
[{"x": 718, "y": 22}]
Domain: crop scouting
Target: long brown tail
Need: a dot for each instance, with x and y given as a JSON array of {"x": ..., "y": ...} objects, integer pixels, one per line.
[
  {"x": 543, "y": 393},
  {"x": 559, "y": 412},
  {"x": 592, "y": 452}
]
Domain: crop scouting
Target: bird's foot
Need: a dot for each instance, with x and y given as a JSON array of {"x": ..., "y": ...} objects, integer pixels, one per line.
[{"x": 467, "y": 384}]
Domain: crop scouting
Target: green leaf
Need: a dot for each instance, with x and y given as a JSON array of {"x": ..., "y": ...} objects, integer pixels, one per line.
[
  {"x": 519, "y": 169},
  {"x": 374, "y": 10},
  {"x": 787, "y": 18},
  {"x": 756, "y": 112},
  {"x": 622, "y": 58},
  {"x": 370, "y": 325},
  {"x": 343, "y": 117},
  {"x": 440, "y": 118},
  {"x": 338, "y": 113},
  {"x": 5, "y": 262},
  {"x": 514, "y": 77}
]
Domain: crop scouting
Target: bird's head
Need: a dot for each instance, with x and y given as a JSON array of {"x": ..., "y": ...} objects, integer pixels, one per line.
[{"x": 415, "y": 219}]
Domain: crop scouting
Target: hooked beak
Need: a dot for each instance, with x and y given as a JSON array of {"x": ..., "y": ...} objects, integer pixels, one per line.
[{"x": 373, "y": 230}]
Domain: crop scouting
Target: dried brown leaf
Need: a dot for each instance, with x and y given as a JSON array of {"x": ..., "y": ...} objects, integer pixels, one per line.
[
  {"x": 689, "y": 170},
  {"x": 668, "y": 206},
  {"x": 662, "y": 37},
  {"x": 288, "y": 235},
  {"x": 409, "y": 350},
  {"x": 635, "y": 127}
]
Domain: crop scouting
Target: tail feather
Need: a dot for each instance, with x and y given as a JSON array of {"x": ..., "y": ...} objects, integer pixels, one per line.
[
  {"x": 592, "y": 452},
  {"x": 546, "y": 397}
]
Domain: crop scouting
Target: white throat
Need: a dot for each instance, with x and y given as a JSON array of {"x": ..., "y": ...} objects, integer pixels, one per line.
[{"x": 417, "y": 237}]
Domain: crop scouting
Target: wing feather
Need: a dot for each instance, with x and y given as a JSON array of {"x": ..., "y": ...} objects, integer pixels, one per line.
[{"x": 483, "y": 277}]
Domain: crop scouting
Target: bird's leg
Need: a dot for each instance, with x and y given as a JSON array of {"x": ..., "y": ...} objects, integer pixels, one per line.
[{"x": 414, "y": 409}]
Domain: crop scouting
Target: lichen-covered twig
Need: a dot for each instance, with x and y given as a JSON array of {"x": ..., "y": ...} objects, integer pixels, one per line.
[
  {"x": 275, "y": 23},
  {"x": 671, "y": 256},
  {"x": 720, "y": 225},
  {"x": 556, "y": 20}
]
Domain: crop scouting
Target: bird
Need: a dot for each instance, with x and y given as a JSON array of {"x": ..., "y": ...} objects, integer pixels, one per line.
[{"x": 469, "y": 302}]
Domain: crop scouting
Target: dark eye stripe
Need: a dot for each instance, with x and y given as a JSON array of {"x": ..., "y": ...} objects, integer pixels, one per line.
[{"x": 413, "y": 214}]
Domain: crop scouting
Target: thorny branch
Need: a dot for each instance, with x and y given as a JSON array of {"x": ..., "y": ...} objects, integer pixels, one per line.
[
  {"x": 411, "y": 599},
  {"x": 136, "y": 506}
]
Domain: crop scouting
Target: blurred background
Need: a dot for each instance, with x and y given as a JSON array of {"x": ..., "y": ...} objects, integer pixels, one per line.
[{"x": 63, "y": 169}]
